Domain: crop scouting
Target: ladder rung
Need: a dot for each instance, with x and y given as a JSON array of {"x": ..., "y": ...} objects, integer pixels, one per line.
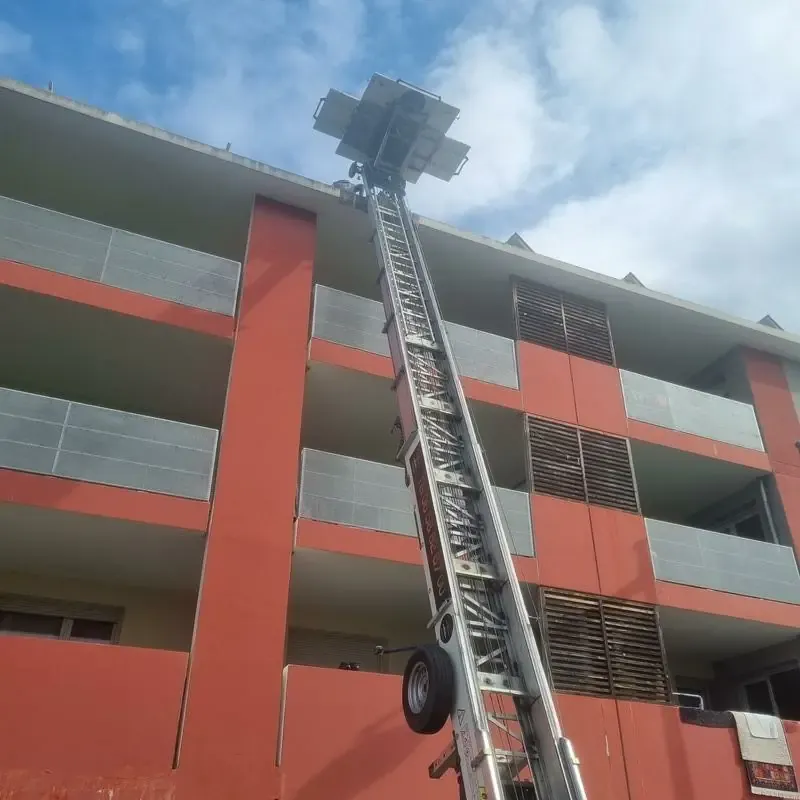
[
  {"x": 504, "y": 717},
  {"x": 472, "y": 569},
  {"x": 445, "y": 478},
  {"x": 510, "y": 756},
  {"x": 501, "y": 683},
  {"x": 511, "y": 762},
  {"x": 439, "y": 406},
  {"x": 420, "y": 341},
  {"x": 514, "y": 761}
]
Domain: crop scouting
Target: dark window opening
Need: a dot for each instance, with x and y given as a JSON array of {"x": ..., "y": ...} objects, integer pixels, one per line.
[
  {"x": 751, "y": 528},
  {"x": 759, "y": 700},
  {"x": 777, "y": 695},
  {"x": 92, "y": 630},
  {"x": 786, "y": 691},
  {"x": 33, "y": 616},
  {"x": 32, "y": 624}
]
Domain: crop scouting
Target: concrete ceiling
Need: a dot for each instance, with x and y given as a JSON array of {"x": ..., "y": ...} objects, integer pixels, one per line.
[
  {"x": 51, "y": 347},
  {"x": 352, "y": 413},
  {"x": 359, "y": 592},
  {"x": 65, "y": 545},
  {"x": 699, "y": 637},
  {"x": 674, "y": 484}
]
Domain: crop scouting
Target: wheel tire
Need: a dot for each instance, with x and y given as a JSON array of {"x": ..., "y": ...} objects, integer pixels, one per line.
[{"x": 428, "y": 689}]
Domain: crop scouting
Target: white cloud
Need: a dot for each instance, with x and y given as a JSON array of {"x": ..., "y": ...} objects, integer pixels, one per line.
[
  {"x": 252, "y": 73},
  {"x": 705, "y": 95},
  {"x": 13, "y": 41},
  {"x": 653, "y": 137},
  {"x": 514, "y": 141},
  {"x": 658, "y": 138},
  {"x": 129, "y": 42}
]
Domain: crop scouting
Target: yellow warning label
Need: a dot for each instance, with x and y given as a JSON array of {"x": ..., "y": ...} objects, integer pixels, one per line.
[{"x": 482, "y": 795}]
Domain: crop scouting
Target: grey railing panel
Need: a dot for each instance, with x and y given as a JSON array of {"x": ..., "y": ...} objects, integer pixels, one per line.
[
  {"x": 723, "y": 562},
  {"x": 349, "y": 320},
  {"x": 171, "y": 272},
  {"x": 515, "y": 508},
  {"x": 358, "y": 322},
  {"x": 690, "y": 411},
  {"x": 53, "y": 241},
  {"x": 366, "y": 494},
  {"x": 484, "y": 356},
  {"x": 350, "y": 491},
  {"x": 61, "y": 243},
  {"x": 83, "y": 442}
]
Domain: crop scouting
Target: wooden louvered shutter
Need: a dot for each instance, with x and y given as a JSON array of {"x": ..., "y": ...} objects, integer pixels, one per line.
[
  {"x": 604, "y": 647},
  {"x": 608, "y": 471},
  {"x": 574, "y": 644},
  {"x": 555, "y": 459},
  {"x": 588, "y": 334},
  {"x": 574, "y": 325},
  {"x": 635, "y": 651},
  {"x": 540, "y": 316}
]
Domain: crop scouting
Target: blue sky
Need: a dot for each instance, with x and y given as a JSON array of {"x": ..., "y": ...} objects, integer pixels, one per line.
[{"x": 658, "y": 137}]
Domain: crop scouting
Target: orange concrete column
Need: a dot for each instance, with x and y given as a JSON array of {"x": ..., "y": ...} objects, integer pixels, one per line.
[
  {"x": 780, "y": 429},
  {"x": 228, "y": 743},
  {"x": 777, "y": 417}
]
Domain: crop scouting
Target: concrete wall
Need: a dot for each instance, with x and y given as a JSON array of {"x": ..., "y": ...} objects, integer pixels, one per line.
[
  {"x": 233, "y": 695},
  {"x": 79, "y": 708},
  {"x": 792, "y": 371}
]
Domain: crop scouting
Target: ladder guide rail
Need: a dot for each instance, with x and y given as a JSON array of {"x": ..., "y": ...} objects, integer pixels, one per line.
[
  {"x": 486, "y": 672},
  {"x": 471, "y": 577}
]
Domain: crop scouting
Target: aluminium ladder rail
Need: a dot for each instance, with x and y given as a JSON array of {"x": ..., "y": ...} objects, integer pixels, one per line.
[{"x": 506, "y": 729}]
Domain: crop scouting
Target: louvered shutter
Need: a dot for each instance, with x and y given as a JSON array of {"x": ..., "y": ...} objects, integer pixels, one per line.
[
  {"x": 635, "y": 650},
  {"x": 603, "y": 646},
  {"x": 564, "y": 322},
  {"x": 575, "y": 648},
  {"x": 540, "y": 316},
  {"x": 555, "y": 459},
  {"x": 608, "y": 471},
  {"x": 588, "y": 334}
]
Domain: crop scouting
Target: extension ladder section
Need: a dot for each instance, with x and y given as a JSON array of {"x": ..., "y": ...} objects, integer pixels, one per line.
[{"x": 507, "y": 737}]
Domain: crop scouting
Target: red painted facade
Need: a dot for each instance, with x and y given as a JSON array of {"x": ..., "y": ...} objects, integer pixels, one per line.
[
  {"x": 231, "y": 716},
  {"x": 228, "y": 720}
]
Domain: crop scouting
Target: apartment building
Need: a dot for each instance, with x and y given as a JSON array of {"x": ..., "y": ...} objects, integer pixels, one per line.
[{"x": 204, "y": 531}]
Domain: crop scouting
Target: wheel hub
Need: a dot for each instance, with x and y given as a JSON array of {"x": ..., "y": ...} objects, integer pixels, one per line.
[{"x": 418, "y": 686}]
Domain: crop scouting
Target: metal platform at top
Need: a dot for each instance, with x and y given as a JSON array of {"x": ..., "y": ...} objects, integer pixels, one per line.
[{"x": 397, "y": 128}]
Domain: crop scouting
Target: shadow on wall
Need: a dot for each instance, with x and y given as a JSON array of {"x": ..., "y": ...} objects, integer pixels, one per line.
[{"x": 379, "y": 750}]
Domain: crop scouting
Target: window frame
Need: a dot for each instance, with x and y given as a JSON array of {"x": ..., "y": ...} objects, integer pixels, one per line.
[
  {"x": 764, "y": 675},
  {"x": 68, "y": 611}
]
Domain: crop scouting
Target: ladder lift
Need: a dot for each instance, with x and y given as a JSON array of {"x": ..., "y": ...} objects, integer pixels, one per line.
[{"x": 485, "y": 672}]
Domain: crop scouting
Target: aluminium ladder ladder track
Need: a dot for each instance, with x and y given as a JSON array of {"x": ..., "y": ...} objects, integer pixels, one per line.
[{"x": 481, "y": 597}]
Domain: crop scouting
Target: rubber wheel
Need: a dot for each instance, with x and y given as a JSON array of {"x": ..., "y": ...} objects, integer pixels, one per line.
[{"x": 428, "y": 689}]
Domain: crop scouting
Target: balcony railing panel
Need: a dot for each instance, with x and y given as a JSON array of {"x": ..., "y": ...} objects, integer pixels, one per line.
[
  {"x": 365, "y": 494},
  {"x": 84, "y": 249},
  {"x": 690, "y": 411},
  {"x": 73, "y": 440},
  {"x": 723, "y": 562},
  {"x": 358, "y": 322}
]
